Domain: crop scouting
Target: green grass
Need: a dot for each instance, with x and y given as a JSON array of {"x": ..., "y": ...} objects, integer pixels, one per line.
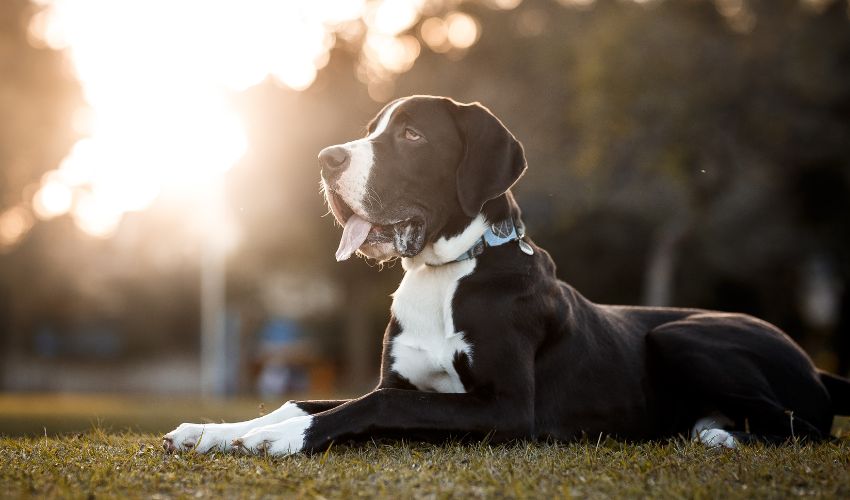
[
  {"x": 74, "y": 446},
  {"x": 117, "y": 465}
]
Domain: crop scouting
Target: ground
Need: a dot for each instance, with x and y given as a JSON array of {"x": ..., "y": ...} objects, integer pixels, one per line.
[
  {"x": 106, "y": 462},
  {"x": 117, "y": 465}
]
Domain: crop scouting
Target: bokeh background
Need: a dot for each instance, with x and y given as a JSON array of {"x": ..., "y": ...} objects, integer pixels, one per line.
[{"x": 163, "y": 254}]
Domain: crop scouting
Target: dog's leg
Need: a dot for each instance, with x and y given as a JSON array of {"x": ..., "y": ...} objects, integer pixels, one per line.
[
  {"x": 743, "y": 368},
  {"x": 211, "y": 437},
  {"x": 396, "y": 412},
  {"x": 711, "y": 431}
]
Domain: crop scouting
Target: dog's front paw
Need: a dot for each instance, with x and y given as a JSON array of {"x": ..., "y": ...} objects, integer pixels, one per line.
[
  {"x": 284, "y": 438},
  {"x": 201, "y": 437}
]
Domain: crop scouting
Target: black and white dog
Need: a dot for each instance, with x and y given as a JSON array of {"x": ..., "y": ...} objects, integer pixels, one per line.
[{"x": 484, "y": 340}]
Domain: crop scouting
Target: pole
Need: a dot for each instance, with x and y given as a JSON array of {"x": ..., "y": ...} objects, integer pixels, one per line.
[{"x": 213, "y": 299}]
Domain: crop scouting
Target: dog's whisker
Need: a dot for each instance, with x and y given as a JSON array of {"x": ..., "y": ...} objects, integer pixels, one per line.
[
  {"x": 374, "y": 199},
  {"x": 377, "y": 197}
]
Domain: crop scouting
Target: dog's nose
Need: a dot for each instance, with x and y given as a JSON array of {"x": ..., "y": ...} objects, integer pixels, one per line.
[{"x": 333, "y": 159}]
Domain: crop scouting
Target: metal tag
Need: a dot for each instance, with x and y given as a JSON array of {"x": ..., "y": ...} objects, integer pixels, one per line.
[{"x": 526, "y": 248}]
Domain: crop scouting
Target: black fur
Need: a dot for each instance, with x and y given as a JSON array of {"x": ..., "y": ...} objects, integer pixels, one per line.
[{"x": 548, "y": 362}]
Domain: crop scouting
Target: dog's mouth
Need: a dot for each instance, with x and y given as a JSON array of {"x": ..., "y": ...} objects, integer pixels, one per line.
[
  {"x": 339, "y": 208},
  {"x": 359, "y": 231}
]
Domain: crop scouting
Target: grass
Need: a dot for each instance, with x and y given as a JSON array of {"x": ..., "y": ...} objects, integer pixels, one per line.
[
  {"x": 103, "y": 462},
  {"x": 98, "y": 464}
]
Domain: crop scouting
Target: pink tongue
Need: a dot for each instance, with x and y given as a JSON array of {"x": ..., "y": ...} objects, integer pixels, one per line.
[{"x": 355, "y": 233}]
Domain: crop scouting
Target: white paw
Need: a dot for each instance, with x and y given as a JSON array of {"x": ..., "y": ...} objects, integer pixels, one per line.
[
  {"x": 202, "y": 437},
  {"x": 717, "y": 437},
  {"x": 284, "y": 438}
]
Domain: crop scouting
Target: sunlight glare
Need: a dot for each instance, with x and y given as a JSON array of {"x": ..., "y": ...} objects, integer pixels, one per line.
[
  {"x": 463, "y": 30},
  {"x": 396, "y": 54},
  {"x": 94, "y": 216},
  {"x": 391, "y": 17},
  {"x": 53, "y": 199},
  {"x": 506, "y": 4},
  {"x": 435, "y": 33},
  {"x": 579, "y": 4},
  {"x": 14, "y": 223},
  {"x": 159, "y": 76}
]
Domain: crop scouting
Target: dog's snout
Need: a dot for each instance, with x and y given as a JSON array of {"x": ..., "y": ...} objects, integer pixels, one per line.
[{"x": 334, "y": 159}]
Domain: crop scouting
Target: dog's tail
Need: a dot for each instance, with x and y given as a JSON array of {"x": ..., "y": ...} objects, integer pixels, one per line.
[{"x": 839, "y": 392}]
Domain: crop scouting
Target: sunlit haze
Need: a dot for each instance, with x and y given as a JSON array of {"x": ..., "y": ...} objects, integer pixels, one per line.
[{"x": 158, "y": 79}]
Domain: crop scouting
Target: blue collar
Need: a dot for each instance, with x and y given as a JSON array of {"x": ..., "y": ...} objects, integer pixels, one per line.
[{"x": 496, "y": 235}]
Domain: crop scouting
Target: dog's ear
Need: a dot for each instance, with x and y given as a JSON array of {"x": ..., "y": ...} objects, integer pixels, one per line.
[{"x": 493, "y": 159}]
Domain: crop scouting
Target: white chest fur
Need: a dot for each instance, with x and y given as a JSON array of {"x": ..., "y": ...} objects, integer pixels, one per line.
[{"x": 425, "y": 350}]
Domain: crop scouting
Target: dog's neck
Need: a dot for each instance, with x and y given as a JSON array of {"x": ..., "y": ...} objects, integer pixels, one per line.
[{"x": 446, "y": 250}]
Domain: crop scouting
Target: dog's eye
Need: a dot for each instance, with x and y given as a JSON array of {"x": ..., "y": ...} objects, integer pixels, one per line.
[{"x": 411, "y": 135}]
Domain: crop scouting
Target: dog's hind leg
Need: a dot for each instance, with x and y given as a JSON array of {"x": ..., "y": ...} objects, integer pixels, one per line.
[
  {"x": 743, "y": 368},
  {"x": 711, "y": 431}
]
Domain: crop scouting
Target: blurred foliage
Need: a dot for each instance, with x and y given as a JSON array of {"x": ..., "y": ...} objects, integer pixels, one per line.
[
  {"x": 658, "y": 132},
  {"x": 38, "y": 97},
  {"x": 650, "y": 122}
]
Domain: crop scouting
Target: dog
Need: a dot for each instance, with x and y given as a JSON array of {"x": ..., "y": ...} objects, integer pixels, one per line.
[{"x": 484, "y": 341}]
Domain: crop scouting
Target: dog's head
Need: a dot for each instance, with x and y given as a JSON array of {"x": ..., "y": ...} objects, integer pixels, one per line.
[{"x": 424, "y": 171}]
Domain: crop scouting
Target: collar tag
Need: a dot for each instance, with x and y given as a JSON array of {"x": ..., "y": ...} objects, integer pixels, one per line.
[
  {"x": 500, "y": 233},
  {"x": 496, "y": 235}
]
